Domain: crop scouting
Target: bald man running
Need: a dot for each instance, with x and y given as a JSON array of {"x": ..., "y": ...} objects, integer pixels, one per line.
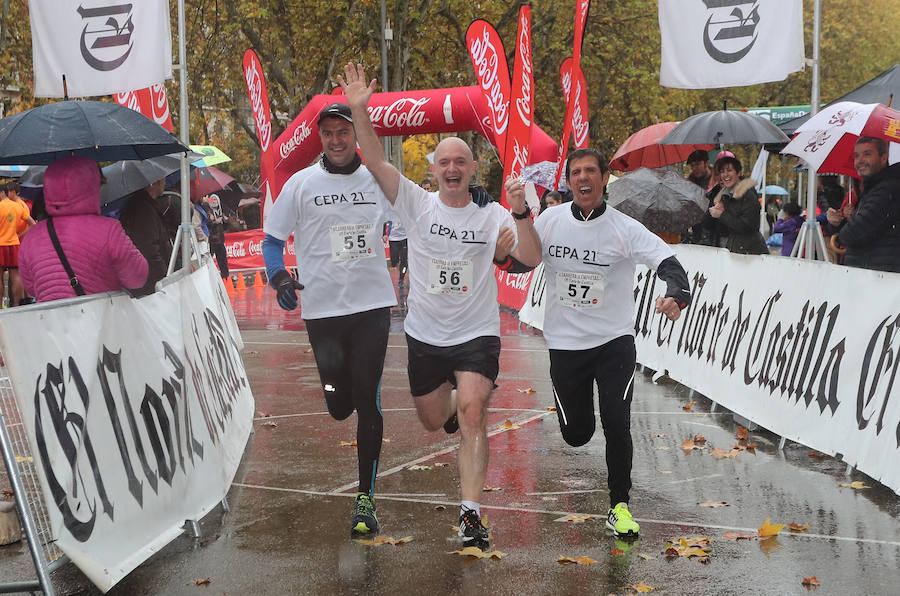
[{"x": 453, "y": 325}]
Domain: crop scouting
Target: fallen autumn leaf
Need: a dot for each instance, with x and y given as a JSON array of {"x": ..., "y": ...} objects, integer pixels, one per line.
[
  {"x": 379, "y": 540},
  {"x": 687, "y": 407},
  {"x": 794, "y": 527},
  {"x": 810, "y": 581},
  {"x": 739, "y": 536},
  {"x": 418, "y": 467},
  {"x": 579, "y": 560},
  {"x": 641, "y": 587},
  {"x": 348, "y": 443},
  {"x": 616, "y": 552},
  {"x": 474, "y": 551},
  {"x": 508, "y": 425},
  {"x": 488, "y": 489},
  {"x": 855, "y": 485},
  {"x": 527, "y": 390},
  {"x": 713, "y": 504},
  {"x": 575, "y": 518},
  {"x": 202, "y": 582},
  {"x": 768, "y": 529}
]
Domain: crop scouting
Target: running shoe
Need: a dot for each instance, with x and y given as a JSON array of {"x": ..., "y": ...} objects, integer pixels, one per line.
[
  {"x": 364, "y": 519},
  {"x": 452, "y": 424},
  {"x": 620, "y": 522},
  {"x": 472, "y": 531}
]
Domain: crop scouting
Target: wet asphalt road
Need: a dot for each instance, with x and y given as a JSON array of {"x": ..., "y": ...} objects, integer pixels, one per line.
[{"x": 287, "y": 531}]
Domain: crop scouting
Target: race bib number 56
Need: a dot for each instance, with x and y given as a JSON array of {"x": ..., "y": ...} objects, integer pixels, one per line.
[
  {"x": 579, "y": 290},
  {"x": 353, "y": 241},
  {"x": 450, "y": 277}
]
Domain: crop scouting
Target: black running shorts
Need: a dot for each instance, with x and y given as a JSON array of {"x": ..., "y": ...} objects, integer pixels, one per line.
[{"x": 431, "y": 366}]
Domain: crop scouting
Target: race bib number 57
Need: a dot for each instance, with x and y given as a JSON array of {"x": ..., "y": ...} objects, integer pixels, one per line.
[
  {"x": 353, "y": 241},
  {"x": 579, "y": 290},
  {"x": 450, "y": 277}
]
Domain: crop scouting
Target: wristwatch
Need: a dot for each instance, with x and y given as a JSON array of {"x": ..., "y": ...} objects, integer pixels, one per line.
[{"x": 525, "y": 215}]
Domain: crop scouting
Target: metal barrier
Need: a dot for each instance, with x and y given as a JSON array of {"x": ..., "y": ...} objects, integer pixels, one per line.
[{"x": 20, "y": 465}]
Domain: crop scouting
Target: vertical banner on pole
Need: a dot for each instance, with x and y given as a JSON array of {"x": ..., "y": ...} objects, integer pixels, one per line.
[
  {"x": 262, "y": 116},
  {"x": 151, "y": 101},
  {"x": 489, "y": 61},
  {"x": 521, "y": 103},
  {"x": 582, "y": 8}
]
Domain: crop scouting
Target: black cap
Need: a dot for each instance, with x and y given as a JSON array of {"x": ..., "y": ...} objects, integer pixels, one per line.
[{"x": 336, "y": 110}]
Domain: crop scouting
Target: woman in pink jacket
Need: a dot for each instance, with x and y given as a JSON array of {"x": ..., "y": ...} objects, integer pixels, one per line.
[{"x": 101, "y": 256}]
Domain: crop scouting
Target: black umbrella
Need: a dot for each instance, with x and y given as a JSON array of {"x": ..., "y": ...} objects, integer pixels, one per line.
[
  {"x": 724, "y": 127},
  {"x": 99, "y": 130},
  {"x": 125, "y": 177},
  {"x": 660, "y": 199}
]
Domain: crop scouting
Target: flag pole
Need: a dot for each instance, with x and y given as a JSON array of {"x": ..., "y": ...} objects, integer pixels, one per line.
[
  {"x": 184, "y": 125},
  {"x": 811, "y": 233}
]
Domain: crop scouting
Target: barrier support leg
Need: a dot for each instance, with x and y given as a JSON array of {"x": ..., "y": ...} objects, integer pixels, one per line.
[
  {"x": 192, "y": 527},
  {"x": 781, "y": 444},
  {"x": 849, "y": 470},
  {"x": 225, "y": 506},
  {"x": 712, "y": 407}
]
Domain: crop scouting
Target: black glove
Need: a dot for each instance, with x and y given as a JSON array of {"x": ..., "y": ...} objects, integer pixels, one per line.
[
  {"x": 286, "y": 288},
  {"x": 479, "y": 195}
]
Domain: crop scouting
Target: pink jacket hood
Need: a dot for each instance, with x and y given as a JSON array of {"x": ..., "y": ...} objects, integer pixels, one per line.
[{"x": 72, "y": 187}]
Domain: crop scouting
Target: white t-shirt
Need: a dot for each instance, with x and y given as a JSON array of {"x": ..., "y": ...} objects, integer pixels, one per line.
[
  {"x": 397, "y": 231},
  {"x": 453, "y": 290},
  {"x": 337, "y": 221},
  {"x": 589, "y": 268}
]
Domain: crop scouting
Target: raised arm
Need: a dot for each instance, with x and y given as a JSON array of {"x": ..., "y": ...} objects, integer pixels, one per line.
[
  {"x": 528, "y": 251},
  {"x": 358, "y": 94}
]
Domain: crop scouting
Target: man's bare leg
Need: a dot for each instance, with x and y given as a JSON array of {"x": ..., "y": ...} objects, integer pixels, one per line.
[
  {"x": 436, "y": 407},
  {"x": 473, "y": 393},
  {"x": 17, "y": 288}
]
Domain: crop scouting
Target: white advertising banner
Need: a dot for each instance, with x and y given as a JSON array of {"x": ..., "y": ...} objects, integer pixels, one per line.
[
  {"x": 708, "y": 44},
  {"x": 807, "y": 350},
  {"x": 101, "y": 46},
  {"x": 137, "y": 414}
]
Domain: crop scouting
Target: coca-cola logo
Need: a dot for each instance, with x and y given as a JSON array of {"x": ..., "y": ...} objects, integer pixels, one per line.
[
  {"x": 235, "y": 249},
  {"x": 159, "y": 103},
  {"x": 254, "y": 248},
  {"x": 519, "y": 157},
  {"x": 129, "y": 99},
  {"x": 518, "y": 281},
  {"x": 523, "y": 103},
  {"x": 486, "y": 61},
  {"x": 580, "y": 123},
  {"x": 253, "y": 76},
  {"x": 404, "y": 112},
  {"x": 301, "y": 133},
  {"x": 567, "y": 82}
]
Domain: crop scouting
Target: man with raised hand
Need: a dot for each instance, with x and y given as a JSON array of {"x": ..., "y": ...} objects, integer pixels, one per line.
[
  {"x": 589, "y": 254},
  {"x": 337, "y": 212},
  {"x": 453, "y": 325}
]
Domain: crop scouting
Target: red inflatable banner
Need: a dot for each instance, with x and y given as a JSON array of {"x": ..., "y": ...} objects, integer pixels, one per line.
[
  {"x": 489, "y": 61},
  {"x": 151, "y": 101},
  {"x": 518, "y": 142}
]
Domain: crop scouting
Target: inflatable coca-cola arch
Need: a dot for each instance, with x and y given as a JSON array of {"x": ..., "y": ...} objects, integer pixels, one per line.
[{"x": 395, "y": 113}]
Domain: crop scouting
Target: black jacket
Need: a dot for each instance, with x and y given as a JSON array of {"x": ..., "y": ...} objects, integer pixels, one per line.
[
  {"x": 872, "y": 234},
  {"x": 141, "y": 220},
  {"x": 741, "y": 217}
]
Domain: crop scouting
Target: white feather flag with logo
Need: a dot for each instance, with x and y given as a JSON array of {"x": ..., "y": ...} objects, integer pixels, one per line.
[
  {"x": 101, "y": 46},
  {"x": 708, "y": 44}
]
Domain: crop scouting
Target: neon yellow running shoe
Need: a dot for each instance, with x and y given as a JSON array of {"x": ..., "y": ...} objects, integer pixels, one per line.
[
  {"x": 619, "y": 521},
  {"x": 364, "y": 519}
]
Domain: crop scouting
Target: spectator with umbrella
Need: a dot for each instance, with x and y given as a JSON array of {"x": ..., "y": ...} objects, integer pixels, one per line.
[
  {"x": 77, "y": 251},
  {"x": 143, "y": 223},
  {"x": 736, "y": 207}
]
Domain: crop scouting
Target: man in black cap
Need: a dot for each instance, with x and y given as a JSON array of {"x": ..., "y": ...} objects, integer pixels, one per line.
[{"x": 336, "y": 212}]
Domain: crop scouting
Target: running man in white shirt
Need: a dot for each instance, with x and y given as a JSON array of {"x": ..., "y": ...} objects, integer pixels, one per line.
[
  {"x": 453, "y": 325},
  {"x": 589, "y": 255},
  {"x": 337, "y": 212}
]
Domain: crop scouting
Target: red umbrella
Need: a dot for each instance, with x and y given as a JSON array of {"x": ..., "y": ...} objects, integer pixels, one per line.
[
  {"x": 826, "y": 140},
  {"x": 208, "y": 180},
  {"x": 642, "y": 149}
]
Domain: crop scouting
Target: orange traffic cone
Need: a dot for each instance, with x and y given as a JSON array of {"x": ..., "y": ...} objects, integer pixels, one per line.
[
  {"x": 241, "y": 284},
  {"x": 257, "y": 281},
  {"x": 229, "y": 285}
]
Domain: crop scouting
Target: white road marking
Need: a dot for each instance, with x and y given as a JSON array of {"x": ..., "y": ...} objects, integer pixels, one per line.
[{"x": 696, "y": 479}]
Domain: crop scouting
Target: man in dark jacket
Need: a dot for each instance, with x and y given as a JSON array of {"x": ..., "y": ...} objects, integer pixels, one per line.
[
  {"x": 872, "y": 234},
  {"x": 144, "y": 225}
]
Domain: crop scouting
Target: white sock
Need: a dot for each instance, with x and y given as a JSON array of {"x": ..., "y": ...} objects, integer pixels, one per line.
[{"x": 469, "y": 506}]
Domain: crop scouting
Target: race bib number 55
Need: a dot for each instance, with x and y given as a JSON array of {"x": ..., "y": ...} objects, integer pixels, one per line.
[
  {"x": 353, "y": 241},
  {"x": 450, "y": 277},
  {"x": 579, "y": 290}
]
